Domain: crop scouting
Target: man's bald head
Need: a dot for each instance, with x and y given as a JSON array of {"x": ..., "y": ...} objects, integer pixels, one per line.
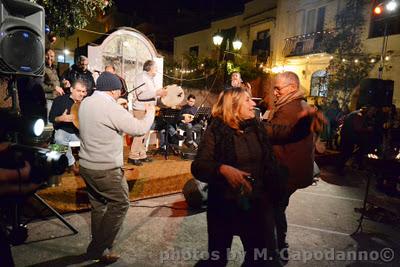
[
  {"x": 289, "y": 77},
  {"x": 285, "y": 83}
]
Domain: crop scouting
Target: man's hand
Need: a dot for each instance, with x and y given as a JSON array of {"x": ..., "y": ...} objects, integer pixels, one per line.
[
  {"x": 59, "y": 90},
  {"x": 149, "y": 108},
  {"x": 65, "y": 117},
  {"x": 66, "y": 83},
  {"x": 161, "y": 92},
  {"x": 123, "y": 102},
  {"x": 235, "y": 177}
]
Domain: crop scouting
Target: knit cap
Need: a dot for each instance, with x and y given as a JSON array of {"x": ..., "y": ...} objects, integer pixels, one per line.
[{"x": 108, "y": 82}]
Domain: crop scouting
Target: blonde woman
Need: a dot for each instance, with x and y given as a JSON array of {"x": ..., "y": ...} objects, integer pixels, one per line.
[{"x": 236, "y": 160}]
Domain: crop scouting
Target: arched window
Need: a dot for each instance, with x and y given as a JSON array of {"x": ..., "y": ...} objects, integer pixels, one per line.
[
  {"x": 319, "y": 83},
  {"x": 126, "y": 49}
]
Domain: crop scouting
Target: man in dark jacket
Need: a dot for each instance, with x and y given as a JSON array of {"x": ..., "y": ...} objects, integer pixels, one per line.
[
  {"x": 62, "y": 119},
  {"x": 51, "y": 82},
  {"x": 357, "y": 130},
  {"x": 187, "y": 114},
  {"x": 297, "y": 158},
  {"x": 79, "y": 71}
]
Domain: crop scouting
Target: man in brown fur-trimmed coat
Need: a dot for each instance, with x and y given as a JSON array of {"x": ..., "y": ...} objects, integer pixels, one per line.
[{"x": 297, "y": 158}]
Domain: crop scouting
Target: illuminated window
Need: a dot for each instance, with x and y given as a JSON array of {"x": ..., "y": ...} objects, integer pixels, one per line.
[{"x": 319, "y": 84}]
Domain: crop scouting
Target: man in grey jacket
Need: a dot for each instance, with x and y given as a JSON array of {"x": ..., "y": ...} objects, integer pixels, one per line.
[{"x": 102, "y": 121}]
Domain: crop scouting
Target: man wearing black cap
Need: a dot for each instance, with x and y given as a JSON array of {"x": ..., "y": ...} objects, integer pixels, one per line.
[{"x": 102, "y": 122}]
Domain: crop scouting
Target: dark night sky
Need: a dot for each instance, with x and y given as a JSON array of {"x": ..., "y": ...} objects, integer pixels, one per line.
[{"x": 184, "y": 14}]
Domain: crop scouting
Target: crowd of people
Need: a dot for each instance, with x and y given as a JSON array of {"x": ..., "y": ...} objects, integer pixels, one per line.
[{"x": 251, "y": 166}]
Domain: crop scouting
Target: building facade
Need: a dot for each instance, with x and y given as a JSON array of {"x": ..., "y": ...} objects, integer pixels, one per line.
[
  {"x": 254, "y": 27},
  {"x": 287, "y": 35}
]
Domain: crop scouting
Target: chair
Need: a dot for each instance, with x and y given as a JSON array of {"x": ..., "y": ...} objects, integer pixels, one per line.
[
  {"x": 182, "y": 132},
  {"x": 156, "y": 141}
]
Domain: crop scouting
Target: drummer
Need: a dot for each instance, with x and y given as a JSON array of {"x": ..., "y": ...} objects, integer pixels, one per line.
[
  {"x": 146, "y": 93},
  {"x": 62, "y": 119}
]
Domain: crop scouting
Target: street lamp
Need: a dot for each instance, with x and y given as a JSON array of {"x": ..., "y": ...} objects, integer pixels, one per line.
[
  {"x": 217, "y": 39},
  {"x": 237, "y": 44}
]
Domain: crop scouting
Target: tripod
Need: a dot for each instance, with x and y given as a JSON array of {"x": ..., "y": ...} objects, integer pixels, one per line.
[
  {"x": 363, "y": 209},
  {"x": 385, "y": 167},
  {"x": 19, "y": 231}
]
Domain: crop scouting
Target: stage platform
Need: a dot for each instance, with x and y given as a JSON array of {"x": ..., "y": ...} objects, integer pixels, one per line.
[{"x": 158, "y": 178}]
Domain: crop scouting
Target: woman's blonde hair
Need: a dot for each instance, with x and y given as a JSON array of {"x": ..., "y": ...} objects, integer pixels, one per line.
[{"x": 228, "y": 105}]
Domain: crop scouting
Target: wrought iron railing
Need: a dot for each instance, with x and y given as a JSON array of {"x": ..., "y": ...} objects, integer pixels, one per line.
[{"x": 305, "y": 44}]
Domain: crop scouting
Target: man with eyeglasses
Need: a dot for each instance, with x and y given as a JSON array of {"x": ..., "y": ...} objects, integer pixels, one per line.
[
  {"x": 295, "y": 156},
  {"x": 79, "y": 71}
]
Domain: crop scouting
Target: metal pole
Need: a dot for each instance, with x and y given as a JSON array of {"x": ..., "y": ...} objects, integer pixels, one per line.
[
  {"x": 55, "y": 213},
  {"x": 65, "y": 55},
  {"x": 383, "y": 52}
]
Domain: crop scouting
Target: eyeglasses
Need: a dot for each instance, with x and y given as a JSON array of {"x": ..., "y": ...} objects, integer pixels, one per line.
[{"x": 277, "y": 88}]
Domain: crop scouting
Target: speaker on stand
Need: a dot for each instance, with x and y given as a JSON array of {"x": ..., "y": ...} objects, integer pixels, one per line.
[
  {"x": 375, "y": 92},
  {"x": 22, "y": 38}
]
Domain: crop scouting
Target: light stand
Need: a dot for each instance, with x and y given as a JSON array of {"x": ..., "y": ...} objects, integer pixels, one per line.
[
  {"x": 380, "y": 9},
  {"x": 19, "y": 232},
  {"x": 363, "y": 209},
  {"x": 383, "y": 52}
]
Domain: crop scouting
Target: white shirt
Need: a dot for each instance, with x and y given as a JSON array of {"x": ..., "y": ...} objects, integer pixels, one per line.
[{"x": 147, "y": 91}]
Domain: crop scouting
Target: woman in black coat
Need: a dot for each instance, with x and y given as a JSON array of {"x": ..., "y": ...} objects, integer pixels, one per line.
[{"x": 235, "y": 158}]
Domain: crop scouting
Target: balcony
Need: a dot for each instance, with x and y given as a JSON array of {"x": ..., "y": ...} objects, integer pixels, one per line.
[{"x": 310, "y": 43}]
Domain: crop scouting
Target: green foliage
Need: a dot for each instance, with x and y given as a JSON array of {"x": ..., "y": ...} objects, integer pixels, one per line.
[
  {"x": 248, "y": 71},
  {"x": 345, "y": 75},
  {"x": 64, "y": 17},
  {"x": 58, "y": 148}
]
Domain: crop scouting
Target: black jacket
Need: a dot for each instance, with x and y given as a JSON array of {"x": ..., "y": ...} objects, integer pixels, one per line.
[
  {"x": 75, "y": 73},
  {"x": 218, "y": 147}
]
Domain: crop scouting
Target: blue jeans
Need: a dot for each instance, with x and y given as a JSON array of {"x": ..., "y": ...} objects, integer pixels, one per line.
[
  {"x": 171, "y": 132},
  {"x": 63, "y": 138}
]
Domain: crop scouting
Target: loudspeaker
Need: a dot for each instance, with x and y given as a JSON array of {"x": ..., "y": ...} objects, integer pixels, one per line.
[
  {"x": 22, "y": 38},
  {"x": 375, "y": 92},
  {"x": 195, "y": 193}
]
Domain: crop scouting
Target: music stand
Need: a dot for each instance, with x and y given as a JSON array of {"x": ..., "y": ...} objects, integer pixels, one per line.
[
  {"x": 169, "y": 117},
  {"x": 203, "y": 113}
]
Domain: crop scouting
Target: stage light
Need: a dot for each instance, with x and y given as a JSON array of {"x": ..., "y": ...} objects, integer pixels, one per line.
[
  {"x": 38, "y": 127},
  {"x": 28, "y": 126},
  {"x": 391, "y": 6},
  {"x": 378, "y": 10}
]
